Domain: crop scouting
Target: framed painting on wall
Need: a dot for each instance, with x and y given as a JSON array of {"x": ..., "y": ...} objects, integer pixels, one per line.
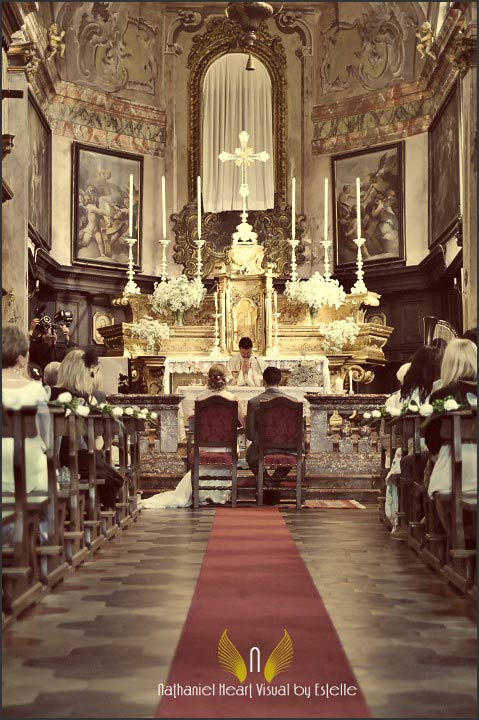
[
  {"x": 444, "y": 170},
  {"x": 382, "y": 206},
  {"x": 101, "y": 206},
  {"x": 39, "y": 176}
]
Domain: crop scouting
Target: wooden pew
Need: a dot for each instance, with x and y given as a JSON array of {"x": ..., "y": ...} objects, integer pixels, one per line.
[
  {"x": 74, "y": 535},
  {"x": 133, "y": 428},
  {"x": 94, "y": 537},
  {"x": 459, "y": 569},
  {"x": 21, "y": 586}
]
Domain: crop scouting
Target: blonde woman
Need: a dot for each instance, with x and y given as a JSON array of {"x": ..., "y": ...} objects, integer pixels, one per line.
[
  {"x": 79, "y": 374},
  {"x": 181, "y": 496},
  {"x": 459, "y": 380}
]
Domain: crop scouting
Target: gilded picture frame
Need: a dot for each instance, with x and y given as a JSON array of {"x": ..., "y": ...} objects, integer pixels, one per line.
[
  {"x": 39, "y": 176},
  {"x": 381, "y": 173},
  {"x": 444, "y": 170},
  {"x": 101, "y": 206}
]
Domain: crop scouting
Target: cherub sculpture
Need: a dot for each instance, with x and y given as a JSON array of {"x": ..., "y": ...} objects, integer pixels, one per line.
[
  {"x": 426, "y": 37},
  {"x": 55, "y": 44}
]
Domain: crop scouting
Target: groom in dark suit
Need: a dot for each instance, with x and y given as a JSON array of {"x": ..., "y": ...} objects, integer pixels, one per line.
[{"x": 271, "y": 380}]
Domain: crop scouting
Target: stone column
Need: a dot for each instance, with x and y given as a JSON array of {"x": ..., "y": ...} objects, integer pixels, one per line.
[{"x": 15, "y": 211}]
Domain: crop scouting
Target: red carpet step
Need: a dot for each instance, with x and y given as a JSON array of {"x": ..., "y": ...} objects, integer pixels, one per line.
[{"x": 254, "y": 584}]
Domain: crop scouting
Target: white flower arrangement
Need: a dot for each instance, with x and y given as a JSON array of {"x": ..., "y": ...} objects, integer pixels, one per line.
[
  {"x": 425, "y": 410},
  {"x": 316, "y": 292},
  {"x": 150, "y": 330},
  {"x": 177, "y": 294},
  {"x": 338, "y": 333},
  {"x": 71, "y": 404},
  {"x": 307, "y": 374}
]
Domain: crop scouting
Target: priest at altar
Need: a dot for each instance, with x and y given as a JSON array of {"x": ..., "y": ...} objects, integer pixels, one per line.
[{"x": 245, "y": 368}]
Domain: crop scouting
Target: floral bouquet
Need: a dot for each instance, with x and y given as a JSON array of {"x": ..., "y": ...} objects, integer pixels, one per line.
[
  {"x": 71, "y": 404},
  {"x": 150, "y": 330},
  {"x": 338, "y": 333},
  {"x": 177, "y": 294},
  {"x": 316, "y": 292},
  {"x": 116, "y": 412},
  {"x": 306, "y": 373},
  {"x": 448, "y": 404}
]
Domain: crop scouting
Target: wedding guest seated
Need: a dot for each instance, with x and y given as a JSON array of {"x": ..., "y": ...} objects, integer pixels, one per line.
[
  {"x": 50, "y": 374},
  {"x": 246, "y": 368},
  {"x": 18, "y": 391},
  {"x": 271, "y": 381},
  {"x": 80, "y": 375},
  {"x": 418, "y": 382},
  {"x": 459, "y": 380},
  {"x": 182, "y": 495}
]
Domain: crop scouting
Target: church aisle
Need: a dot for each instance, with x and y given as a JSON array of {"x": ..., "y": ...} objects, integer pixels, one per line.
[
  {"x": 408, "y": 636},
  {"x": 100, "y": 644}
]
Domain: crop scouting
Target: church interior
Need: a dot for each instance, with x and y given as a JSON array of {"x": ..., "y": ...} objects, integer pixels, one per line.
[{"x": 204, "y": 203}]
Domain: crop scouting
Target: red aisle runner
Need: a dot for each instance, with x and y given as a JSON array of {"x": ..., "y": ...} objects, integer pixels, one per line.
[{"x": 254, "y": 584}]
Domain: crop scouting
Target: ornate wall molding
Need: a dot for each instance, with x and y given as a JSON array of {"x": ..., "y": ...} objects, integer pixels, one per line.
[
  {"x": 187, "y": 21},
  {"x": 91, "y": 116},
  {"x": 223, "y": 36},
  {"x": 399, "y": 111},
  {"x": 273, "y": 228},
  {"x": 290, "y": 22}
]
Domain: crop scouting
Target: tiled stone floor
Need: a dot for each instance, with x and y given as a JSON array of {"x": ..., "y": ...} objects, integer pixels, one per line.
[{"x": 99, "y": 644}]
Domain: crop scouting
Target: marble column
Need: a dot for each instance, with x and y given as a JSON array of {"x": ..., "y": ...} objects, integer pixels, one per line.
[{"x": 15, "y": 211}]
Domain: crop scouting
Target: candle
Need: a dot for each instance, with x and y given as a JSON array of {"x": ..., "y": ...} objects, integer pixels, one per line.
[
  {"x": 351, "y": 382},
  {"x": 325, "y": 208},
  {"x": 216, "y": 302},
  {"x": 293, "y": 208},
  {"x": 358, "y": 205},
  {"x": 163, "y": 204},
  {"x": 130, "y": 214},
  {"x": 198, "y": 188}
]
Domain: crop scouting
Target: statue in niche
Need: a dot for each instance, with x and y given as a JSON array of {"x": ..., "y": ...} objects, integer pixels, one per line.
[{"x": 245, "y": 321}]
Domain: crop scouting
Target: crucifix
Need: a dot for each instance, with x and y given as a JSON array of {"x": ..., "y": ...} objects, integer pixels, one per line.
[{"x": 243, "y": 157}]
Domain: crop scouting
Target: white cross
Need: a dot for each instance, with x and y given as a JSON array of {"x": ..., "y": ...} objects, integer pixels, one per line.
[{"x": 243, "y": 157}]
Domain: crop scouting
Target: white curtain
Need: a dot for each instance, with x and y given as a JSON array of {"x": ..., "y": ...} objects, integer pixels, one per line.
[{"x": 235, "y": 100}]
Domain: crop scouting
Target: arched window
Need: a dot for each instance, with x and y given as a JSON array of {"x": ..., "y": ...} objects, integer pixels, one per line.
[{"x": 233, "y": 100}]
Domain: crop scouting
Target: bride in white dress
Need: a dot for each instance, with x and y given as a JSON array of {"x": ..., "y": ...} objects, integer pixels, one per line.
[{"x": 182, "y": 495}]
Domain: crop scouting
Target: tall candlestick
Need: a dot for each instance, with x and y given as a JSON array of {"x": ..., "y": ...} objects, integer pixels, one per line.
[
  {"x": 198, "y": 192},
  {"x": 130, "y": 213},
  {"x": 293, "y": 208},
  {"x": 326, "y": 208},
  {"x": 216, "y": 302},
  {"x": 358, "y": 205},
  {"x": 275, "y": 301},
  {"x": 163, "y": 204},
  {"x": 351, "y": 382}
]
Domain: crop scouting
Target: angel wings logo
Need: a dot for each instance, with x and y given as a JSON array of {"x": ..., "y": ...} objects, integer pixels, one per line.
[{"x": 231, "y": 660}]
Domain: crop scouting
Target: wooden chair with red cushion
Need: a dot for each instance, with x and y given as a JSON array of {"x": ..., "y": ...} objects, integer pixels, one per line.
[
  {"x": 216, "y": 426},
  {"x": 280, "y": 440}
]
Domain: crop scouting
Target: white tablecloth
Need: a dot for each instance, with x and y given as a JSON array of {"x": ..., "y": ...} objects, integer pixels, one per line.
[{"x": 202, "y": 365}]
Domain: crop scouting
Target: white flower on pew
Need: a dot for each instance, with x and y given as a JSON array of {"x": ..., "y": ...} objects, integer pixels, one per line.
[
  {"x": 12, "y": 404},
  {"x": 129, "y": 411},
  {"x": 145, "y": 411},
  {"x": 412, "y": 407},
  {"x": 82, "y": 410},
  {"x": 100, "y": 406},
  {"x": 117, "y": 412},
  {"x": 451, "y": 404},
  {"x": 367, "y": 415},
  {"x": 394, "y": 411},
  {"x": 142, "y": 416},
  {"x": 65, "y": 397},
  {"x": 426, "y": 410},
  {"x": 376, "y": 414},
  {"x": 153, "y": 415}
]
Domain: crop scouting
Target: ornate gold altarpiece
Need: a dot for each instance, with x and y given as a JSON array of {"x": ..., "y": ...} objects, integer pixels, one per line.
[{"x": 246, "y": 308}]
